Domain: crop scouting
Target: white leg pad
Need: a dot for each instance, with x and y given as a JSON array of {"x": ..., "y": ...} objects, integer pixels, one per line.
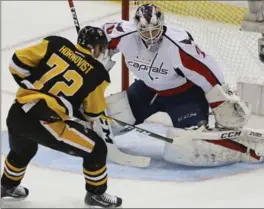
[
  {"x": 257, "y": 146},
  {"x": 199, "y": 153},
  {"x": 118, "y": 108},
  {"x": 193, "y": 152}
]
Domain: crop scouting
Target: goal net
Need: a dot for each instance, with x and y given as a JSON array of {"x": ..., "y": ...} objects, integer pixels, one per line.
[{"x": 215, "y": 26}]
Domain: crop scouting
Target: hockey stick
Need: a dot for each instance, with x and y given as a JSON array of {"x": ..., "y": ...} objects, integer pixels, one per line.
[
  {"x": 74, "y": 16},
  {"x": 114, "y": 153},
  {"x": 201, "y": 133},
  {"x": 142, "y": 131}
]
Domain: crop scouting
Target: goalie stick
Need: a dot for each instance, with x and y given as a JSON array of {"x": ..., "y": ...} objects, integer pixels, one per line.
[
  {"x": 114, "y": 154},
  {"x": 201, "y": 133}
]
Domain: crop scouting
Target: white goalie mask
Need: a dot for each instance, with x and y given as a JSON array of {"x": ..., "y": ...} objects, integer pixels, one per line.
[{"x": 149, "y": 21}]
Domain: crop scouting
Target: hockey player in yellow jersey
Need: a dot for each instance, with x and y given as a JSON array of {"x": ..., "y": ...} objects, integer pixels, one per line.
[{"x": 61, "y": 86}]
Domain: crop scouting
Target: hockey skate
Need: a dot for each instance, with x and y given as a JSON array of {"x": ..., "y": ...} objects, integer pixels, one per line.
[
  {"x": 14, "y": 193},
  {"x": 102, "y": 201}
]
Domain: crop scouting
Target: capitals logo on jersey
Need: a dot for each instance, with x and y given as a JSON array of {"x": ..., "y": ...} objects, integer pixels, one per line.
[{"x": 149, "y": 67}]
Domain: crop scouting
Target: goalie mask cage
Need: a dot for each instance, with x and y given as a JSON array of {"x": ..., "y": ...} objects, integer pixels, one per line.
[{"x": 215, "y": 27}]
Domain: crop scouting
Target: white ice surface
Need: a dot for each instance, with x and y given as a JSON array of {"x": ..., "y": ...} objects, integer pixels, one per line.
[{"x": 50, "y": 188}]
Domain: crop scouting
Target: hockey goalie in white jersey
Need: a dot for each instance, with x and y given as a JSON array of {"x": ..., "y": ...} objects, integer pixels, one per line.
[{"x": 176, "y": 77}]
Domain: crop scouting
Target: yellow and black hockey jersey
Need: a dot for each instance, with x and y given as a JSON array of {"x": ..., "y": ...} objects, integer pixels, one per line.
[{"x": 65, "y": 75}]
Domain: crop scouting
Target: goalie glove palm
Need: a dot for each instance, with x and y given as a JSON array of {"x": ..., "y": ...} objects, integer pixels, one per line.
[
  {"x": 229, "y": 110},
  {"x": 232, "y": 114}
]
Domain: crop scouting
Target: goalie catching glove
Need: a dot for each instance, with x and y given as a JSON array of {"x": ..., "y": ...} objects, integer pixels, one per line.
[{"x": 229, "y": 110}]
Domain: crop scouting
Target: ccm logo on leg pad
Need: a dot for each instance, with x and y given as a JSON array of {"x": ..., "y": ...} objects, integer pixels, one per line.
[{"x": 232, "y": 134}]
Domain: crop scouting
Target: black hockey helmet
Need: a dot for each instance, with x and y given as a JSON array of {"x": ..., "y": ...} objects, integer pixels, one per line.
[{"x": 90, "y": 36}]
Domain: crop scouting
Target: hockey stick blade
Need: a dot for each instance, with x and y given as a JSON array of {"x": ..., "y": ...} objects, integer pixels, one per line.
[
  {"x": 113, "y": 152},
  {"x": 115, "y": 155}
]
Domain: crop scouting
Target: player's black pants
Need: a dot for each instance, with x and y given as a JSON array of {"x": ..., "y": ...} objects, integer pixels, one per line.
[{"x": 26, "y": 132}]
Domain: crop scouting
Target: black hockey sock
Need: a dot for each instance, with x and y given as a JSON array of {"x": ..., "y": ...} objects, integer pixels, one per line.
[
  {"x": 96, "y": 179},
  {"x": 94, "y": 168},
  {"x": 14, "y": 170}
]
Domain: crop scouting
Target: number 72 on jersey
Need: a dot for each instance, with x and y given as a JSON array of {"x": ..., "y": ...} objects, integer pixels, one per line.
[{"x": 59, "y": 68}]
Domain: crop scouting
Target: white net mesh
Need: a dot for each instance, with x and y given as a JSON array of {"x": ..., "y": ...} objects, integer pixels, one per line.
[{"x": 215, "y": 27}]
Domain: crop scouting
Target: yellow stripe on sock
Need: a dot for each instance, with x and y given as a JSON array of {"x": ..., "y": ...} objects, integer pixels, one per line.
[
  {"x": 99, "y": 183},
  {"x": 14, "y": 168},
  {"x": 13, "y": 178},
  {"x": 93, "y": 173}
]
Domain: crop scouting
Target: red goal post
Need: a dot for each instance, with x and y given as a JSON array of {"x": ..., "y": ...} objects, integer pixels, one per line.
[{"x": 125, "y": 74}]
